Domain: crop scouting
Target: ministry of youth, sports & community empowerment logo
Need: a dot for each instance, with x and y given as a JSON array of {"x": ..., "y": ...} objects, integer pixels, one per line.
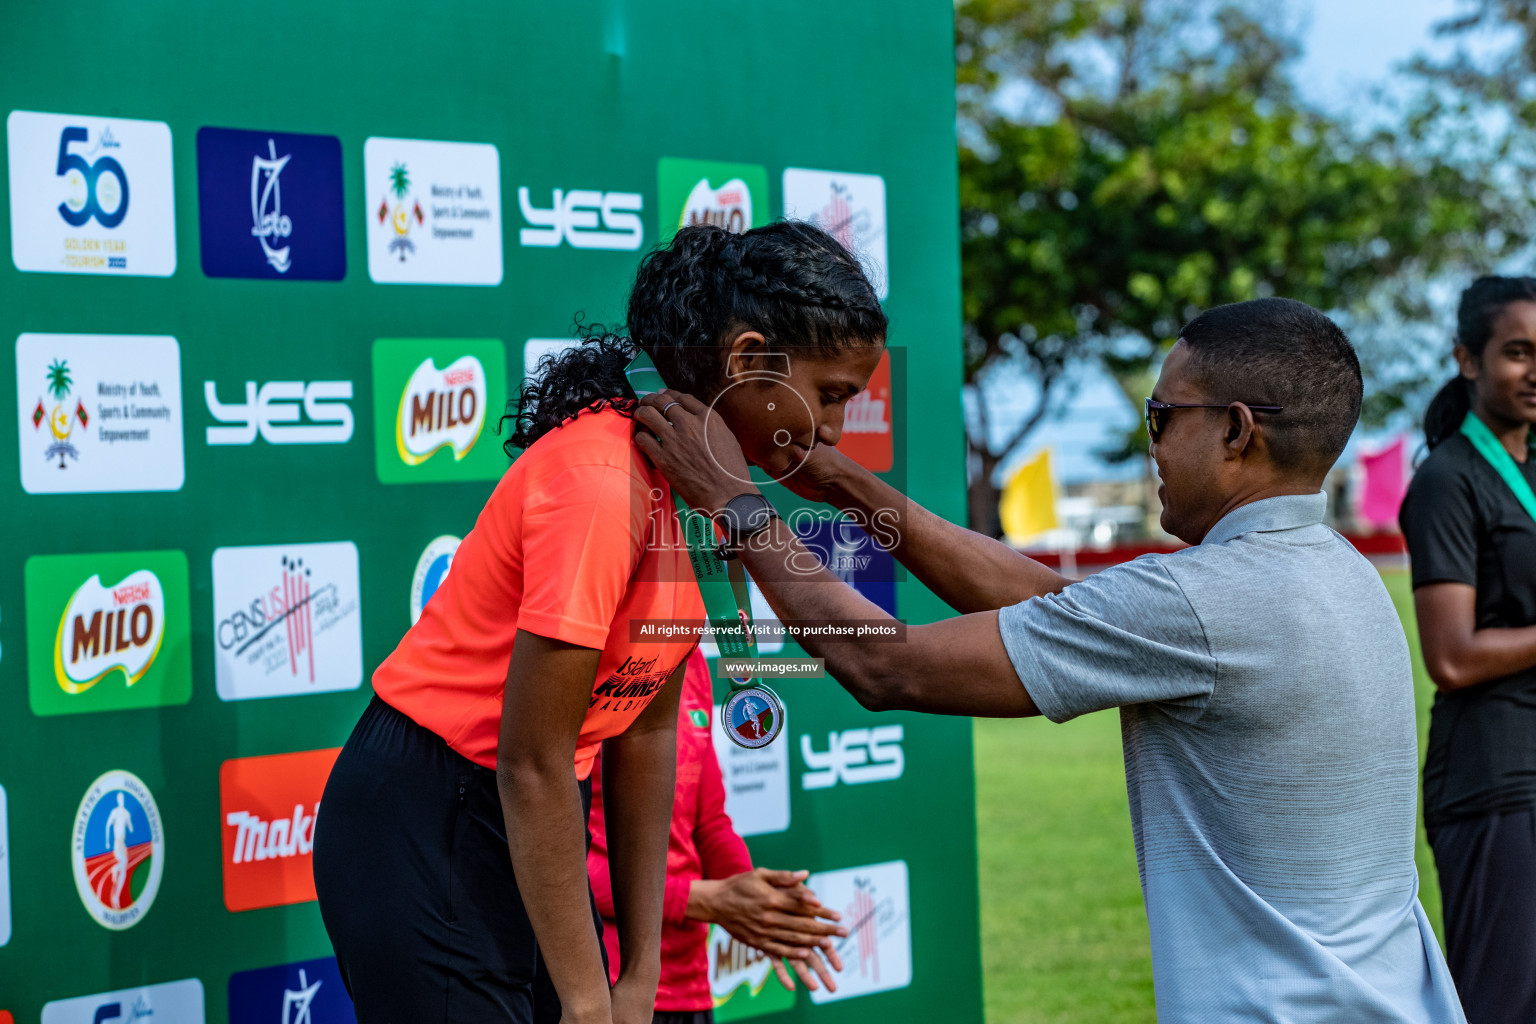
[{"x": 118, "y": 850}]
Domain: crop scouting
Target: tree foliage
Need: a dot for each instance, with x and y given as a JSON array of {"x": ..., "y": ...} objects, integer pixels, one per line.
[{"x": 1126, "y": 163}]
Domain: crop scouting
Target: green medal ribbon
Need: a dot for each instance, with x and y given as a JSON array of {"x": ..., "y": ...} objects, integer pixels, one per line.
[
  {"x": 753, "y": 714},
  {"x": 1503, "y": 463}
]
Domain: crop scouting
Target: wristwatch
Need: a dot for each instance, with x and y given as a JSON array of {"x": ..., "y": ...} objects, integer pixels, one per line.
[{"x": 745, "y": 515}]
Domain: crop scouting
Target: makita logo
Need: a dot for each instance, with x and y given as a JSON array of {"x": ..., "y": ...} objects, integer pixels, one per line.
[
  {"x": 854, "y": 757},
  {"x": 256, "y": 839},
  {"x": 268, "y": 807}
]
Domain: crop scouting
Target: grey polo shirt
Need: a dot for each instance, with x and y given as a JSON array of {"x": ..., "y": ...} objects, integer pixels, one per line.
[{"x": 1266, "y": 709}]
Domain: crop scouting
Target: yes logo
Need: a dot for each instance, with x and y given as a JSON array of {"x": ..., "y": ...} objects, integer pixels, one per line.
[
  {"x": 430, "y": 404},
  {"x": 273, "y": 411},
  {"x": 572, "y": 217},
  {"x": 91, "y": 195},
  {"x": 853, "y": 757},
  {"x": 268, "y": 807},
  {"x": 729, "y": 196},
  {"x": 107, "y": 632}
]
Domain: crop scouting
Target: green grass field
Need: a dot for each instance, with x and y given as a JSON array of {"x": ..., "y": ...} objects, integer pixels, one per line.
[{"x": 1063, "y": 932}]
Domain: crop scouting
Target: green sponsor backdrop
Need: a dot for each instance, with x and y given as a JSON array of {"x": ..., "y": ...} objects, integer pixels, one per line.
[{"x": 575, "y": 96}]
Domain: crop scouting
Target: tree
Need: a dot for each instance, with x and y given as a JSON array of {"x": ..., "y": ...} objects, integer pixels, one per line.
[{"x": 1126, "y": 163}]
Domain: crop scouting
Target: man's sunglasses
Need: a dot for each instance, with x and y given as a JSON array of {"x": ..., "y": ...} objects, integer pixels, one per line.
[{"x": 1158, "y": 412}]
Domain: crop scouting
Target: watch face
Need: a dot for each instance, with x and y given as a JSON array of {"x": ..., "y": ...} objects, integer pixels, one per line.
[{"x": 753, "y": 716}]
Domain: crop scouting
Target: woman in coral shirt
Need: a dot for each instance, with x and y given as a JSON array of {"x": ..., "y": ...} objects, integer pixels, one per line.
[
  {"x": 450, "y": 862},
  {"x": 710, "y": 879}
]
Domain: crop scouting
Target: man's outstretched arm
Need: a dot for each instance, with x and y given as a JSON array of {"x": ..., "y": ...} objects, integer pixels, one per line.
[
  {"x": 957, "y": 667},
  {"x": 971, "y": 572}
]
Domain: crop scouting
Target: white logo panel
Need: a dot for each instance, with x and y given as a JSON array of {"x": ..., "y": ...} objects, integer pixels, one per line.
[
  {"x": 434, "y": 212},
  {"x": 756, "y": 782},
  {"x": 99, "y": 412},
  {"x": 5, "y": 872},
  {"x": 91, "y": 195},
  {"x": 850, "y": 208},
  {"x": 174, "y": 1002},
  {"x": 877, "y": 953},
  {"x": 287, "y": 620}
]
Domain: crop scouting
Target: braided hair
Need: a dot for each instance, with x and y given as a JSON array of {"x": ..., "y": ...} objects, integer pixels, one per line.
[{"x": 790, "y": 281}]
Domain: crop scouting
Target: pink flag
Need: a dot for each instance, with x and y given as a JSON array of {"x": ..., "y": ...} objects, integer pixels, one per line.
[{"x": 1384, "y": 481}]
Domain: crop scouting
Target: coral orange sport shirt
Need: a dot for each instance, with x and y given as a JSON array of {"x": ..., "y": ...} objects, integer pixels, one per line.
[{"x": 578, "y": 540}]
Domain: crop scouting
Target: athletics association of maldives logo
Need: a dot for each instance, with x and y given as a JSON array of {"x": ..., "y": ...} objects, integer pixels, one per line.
[
  {"x": 105, "y": 629},
  {"x": 752, "y": 717},
  {"x": 431, "y": 570},
  {"x": 118, "y": 850},
  {"x": 441, "y": 409}
]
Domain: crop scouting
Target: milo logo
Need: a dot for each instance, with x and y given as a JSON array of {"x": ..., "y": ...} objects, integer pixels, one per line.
[
  {"x": 689, "y": 195},
  {"x": 107, "y": 629},
  {"x": 430, "y": 401},
  {"x": 728, "y": 207},
  {"x": 441, "y": 409},
  {"x": 741, "y": 979},
  {"x": 107, "y": 632}
]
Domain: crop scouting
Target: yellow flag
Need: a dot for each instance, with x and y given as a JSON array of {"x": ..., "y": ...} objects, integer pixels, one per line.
[{"x": 1028, "y": 505}]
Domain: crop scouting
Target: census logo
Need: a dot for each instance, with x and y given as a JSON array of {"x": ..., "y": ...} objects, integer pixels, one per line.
[
  {"x": 91, "y": 195},
  {"x": 431, "y": 569},
  {"x": 287, "y": 620},
  {"x": 877, "y": 952},
  {"x": 172, "y": 1002},
  {"x": 434, "y": 212},
  {"x": 270, "y": 205},
  {"x": 118, "y": 850},
  {"x": 307, "y": 992},
  {"x": 441, "y": 408},
  {"x": 99, "y": 412},
  {"x": 106, "y": 629},
  {"x": 572, "y": 216},
  {"x": 268, "y": 807},
  {"x": 850, "y": 208}
]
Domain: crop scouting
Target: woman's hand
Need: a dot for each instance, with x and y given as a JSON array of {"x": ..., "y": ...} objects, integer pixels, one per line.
[
  {"x": 693, "y": 448},
  {"x": 633, "y": 1002},
  {"x": 768, "y": 910},
  {"x": 818, "y": 961}
]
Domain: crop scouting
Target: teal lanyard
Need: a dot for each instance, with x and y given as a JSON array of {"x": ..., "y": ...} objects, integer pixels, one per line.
[
  {"x": 1503, "y": 463},
  {"x": 723, "y": 584}
]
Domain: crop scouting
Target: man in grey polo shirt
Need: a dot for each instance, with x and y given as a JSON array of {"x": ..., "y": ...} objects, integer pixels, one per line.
[{"x": 1262, "y": 675}]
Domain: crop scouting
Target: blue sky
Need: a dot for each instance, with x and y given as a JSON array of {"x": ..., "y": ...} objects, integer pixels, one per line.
[{"x": 1348, "y": 47}]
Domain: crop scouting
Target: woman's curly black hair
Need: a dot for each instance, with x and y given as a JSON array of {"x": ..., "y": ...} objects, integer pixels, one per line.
[{"x": 790, "y": 281}]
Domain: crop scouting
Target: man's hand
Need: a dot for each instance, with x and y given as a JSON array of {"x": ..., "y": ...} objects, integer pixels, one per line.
[
  {"x": 768, "y": 910},
  {"x": 693, "y": 448}
]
